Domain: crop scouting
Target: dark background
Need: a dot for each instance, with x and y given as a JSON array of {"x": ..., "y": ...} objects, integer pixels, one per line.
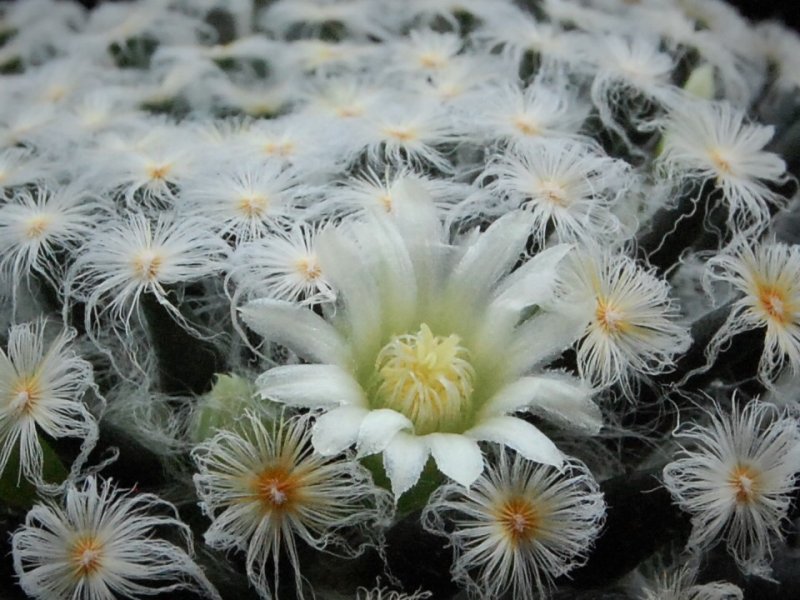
[{"x": 759, "y": 10}]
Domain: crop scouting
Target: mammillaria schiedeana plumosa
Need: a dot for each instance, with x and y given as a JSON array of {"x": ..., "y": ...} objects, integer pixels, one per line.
[{"x": 449, "y": 299}]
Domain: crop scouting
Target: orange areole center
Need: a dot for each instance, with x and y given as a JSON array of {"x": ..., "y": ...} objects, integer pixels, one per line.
[{"x": 519, "y": 520}]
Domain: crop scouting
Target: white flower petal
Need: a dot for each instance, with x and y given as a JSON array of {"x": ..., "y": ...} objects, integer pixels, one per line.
[
  {"x": 521, "y": 436},
  {"x": 311, "y": 386},
  {"x": 297, "y": 328},
  {"x": 347, "y": 268},
  {"x": 533, "y": 282},
  {"x": 378, "y": 428},
  {"x": 567, "y": 401},
  {"x": 337, "y": 429},
  {"x": 418, "y": 221},
  {"x": 543, "y": 337},
  {"x": 415, "y": 213},
  {"x": 457, "y": 456},
  {"x": 558, "y": 396},
  {"x": 397, "y": 281},
  {"x": 491, "y": 256},
  {"x": 403, "y": 460}
]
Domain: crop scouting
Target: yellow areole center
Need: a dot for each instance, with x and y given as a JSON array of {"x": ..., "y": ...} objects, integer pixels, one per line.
[
  {"x": 775, "y": 302},
  {"x": 400, "y": 133},
  {"x": 253, "y": 205},
  {"x": 86, "y": 556},
  {"x": 147, "y": 264},
  {"x": 25, "y": 395},
  {"x": 610, "y": 318},
  {"x": 526, "y": 125},
  {"x": 745, "y": 482},
  {"x": 309, "y": 268},
  {"x": 37, "y": 225},
  {"x": 519, "y": 520},
  {"x": 277, "y": 489}
]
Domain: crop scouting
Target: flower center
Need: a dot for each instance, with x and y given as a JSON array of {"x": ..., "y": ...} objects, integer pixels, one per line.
[
  {"x": 276, "y": 489},
  {"x": 86, "y": 555},
  {"x": 428, "y": 378},
  {"x": 744, "y": 481},
  {"x": 519, "y": 520}
]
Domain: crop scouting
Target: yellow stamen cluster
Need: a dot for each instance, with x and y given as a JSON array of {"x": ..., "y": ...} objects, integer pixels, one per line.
[{"x": 427, "y": 378}]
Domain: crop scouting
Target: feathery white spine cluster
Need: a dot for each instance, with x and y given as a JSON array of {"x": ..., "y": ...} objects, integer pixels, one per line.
[
  {"x": 766, "y": 278},
  {"x": 633, "y": 325},
  {"x": 265, "y": 489},
  {"x": 735, "y": 478},
  {"x": 519, "y": 526},
  {"x": 42, "y": 388},
  {"x": 102, "y": 543}
]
